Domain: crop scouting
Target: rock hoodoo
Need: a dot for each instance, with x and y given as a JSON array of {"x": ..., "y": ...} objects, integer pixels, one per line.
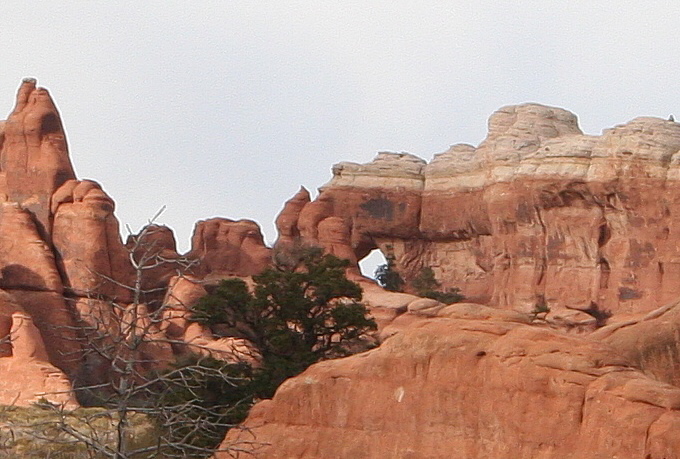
[
  {"x": 538, "y": 214},
  {"x": 63, "y": 264},
  {"x": 34, "y": 158}
]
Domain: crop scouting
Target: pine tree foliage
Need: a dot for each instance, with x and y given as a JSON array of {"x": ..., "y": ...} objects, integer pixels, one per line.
[
  {"x": 300, "y": 311},
  {"x": 388, "y": 277},
  {"x": 426, "y": 285}
]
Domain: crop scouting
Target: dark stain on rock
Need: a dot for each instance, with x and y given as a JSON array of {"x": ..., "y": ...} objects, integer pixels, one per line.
[
  {"x": 379, "y": 208},
  {"x": 548, "y": 199},
  {"x": 525, "y": 212},
  {"x": 605, "y": 272},
  {"x": 640, "y": 254},
  {"x": 626, "y": 293},
  {"x": 49, "y": 124},
  {"x": 604, "y": 236},
  {"x": 572, "y": 198}
]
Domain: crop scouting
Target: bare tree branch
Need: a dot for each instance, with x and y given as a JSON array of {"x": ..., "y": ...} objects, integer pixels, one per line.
[{"x": 127, "y": 382}]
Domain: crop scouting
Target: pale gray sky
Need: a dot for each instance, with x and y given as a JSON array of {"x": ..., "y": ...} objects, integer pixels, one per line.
[{"x": 226, "y": 108}]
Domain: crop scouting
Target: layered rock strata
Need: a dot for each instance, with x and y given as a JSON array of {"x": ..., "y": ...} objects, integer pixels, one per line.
[{"x": 538, "y": 213}]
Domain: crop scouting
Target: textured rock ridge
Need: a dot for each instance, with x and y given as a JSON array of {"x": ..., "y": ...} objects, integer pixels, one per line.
[
  {"x": 25, "y": 360},
  {"x": 468, "y": 382},
  {"x": 538, "y": 212},
  {"x": 63, "y": 264},
  {"x": 228, "y": 247}
]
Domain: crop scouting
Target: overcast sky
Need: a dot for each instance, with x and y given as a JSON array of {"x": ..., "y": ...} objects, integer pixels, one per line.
[{"x": 226, "y": 108}]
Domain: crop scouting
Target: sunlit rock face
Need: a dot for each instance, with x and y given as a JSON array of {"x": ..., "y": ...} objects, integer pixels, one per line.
[
  {"x": 468, "y": 381},
  {"x": 64, "y": 270},
  {"x": 226, "y": 247},
  {"x": 537, "y": 213},
  {"x": 34, "y": 158}
]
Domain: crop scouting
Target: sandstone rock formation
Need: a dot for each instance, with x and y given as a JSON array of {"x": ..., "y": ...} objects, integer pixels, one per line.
[
  {"x": 183, "y": 293},
  {"x": 226, "y": 247},
  {"x": 34, "y": 159},
  {"x": 649, "y": 342},
  {"x": 25, "y": 364},
  {"x": 287, "y": 220},
  {"x": 87, "y": 240},
  {"x": 28, "y": 270},
  {"x": 537, "y": 213},
  {"x": 468, "y": 382},
  {"x": 65, "y": 265}
]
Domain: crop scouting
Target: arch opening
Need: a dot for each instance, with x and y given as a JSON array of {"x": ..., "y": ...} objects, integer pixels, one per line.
[{"x": 370, "y": 262}]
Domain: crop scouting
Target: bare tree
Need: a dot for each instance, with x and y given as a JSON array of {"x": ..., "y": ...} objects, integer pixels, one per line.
[{"x": 144, "y": 402}]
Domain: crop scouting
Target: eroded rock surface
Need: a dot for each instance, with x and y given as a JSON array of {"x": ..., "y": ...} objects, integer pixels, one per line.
[
  {"x": 650, "y": 342},
  {"x": 469, "y": 382},
  {"x": 229, "y": 248},
  {"x": 538, "y": 213},
  {"x": 25, "y": 364},
  {"x": 87, "y": 240},
  {"x": 71, "y": 278},
  {"x": 34, "y": 159}
]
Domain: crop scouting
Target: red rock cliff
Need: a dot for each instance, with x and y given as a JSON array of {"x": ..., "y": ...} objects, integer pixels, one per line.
[{"x": 538, "y": 212}]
